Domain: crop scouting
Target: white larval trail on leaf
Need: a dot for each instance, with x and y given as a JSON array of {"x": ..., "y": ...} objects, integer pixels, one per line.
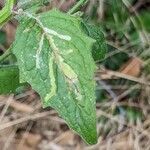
[
  {"x": 39, "y": 51},
  {"x": 52, "y": 78},
  {"x": 47, "y": 30},
  {"x": 52, "y": 32}
]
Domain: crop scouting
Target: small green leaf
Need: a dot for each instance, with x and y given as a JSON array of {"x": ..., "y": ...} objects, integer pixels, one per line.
[
  {"x": 100, "y": 47},
  {"x": 54, "y": 56},
  {"x": 9, "y": 79}
]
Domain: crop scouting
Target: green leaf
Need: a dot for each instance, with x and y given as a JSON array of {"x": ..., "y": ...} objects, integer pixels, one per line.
[
  {"x": 100, "y": 47},
  {"x": 54, "y": 56},
  {"x": 9, "y": 79}
]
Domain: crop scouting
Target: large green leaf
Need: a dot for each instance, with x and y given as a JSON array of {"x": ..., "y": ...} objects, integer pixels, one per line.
[{"x": 54, "y": 56}]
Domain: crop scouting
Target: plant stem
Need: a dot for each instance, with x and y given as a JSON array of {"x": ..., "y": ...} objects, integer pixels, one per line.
[
  {"x": 6, "y": 12},
  {"x": 5, "y": 55},
  {"x": 77, "y": 6}
]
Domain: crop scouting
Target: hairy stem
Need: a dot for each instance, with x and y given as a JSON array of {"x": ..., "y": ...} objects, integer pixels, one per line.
[
  {"x": 76, "y": 7},
  {"x": 6, "y": 12}
]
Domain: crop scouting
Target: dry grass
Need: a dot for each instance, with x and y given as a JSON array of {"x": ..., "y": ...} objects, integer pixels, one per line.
[{"x": 43, "y": 129}]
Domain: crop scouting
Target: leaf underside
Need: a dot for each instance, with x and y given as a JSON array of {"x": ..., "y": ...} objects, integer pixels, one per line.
[{"x": 54, "y": 56}]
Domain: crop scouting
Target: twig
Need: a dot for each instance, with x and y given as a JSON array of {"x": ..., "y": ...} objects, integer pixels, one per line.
[
  {"x": 5, "y": 108},
  {"x": 100, "y": 10},
  {"x": 27, "y": 118},
  {"x": 144, "y": 37},
  {"x": 108, "y": 74},
  {"x": 113, "y": 95},
  {"x": 126, "y": 103},
  {"x": 136, "y": 6},
  {"x": 127, "y": 92},
  {"x": 21, "y": 107},
  {"x": 22, "y": 141},
  {"x": 111, "y": 117},
  {"x": 10, "y": 139}
]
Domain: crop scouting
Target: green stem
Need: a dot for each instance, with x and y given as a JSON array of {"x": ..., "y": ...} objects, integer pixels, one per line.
[
  {"x": 6, "y": 12},
  {"x": 5, "y": 55},
  {"x": 76, "y": 7}
]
